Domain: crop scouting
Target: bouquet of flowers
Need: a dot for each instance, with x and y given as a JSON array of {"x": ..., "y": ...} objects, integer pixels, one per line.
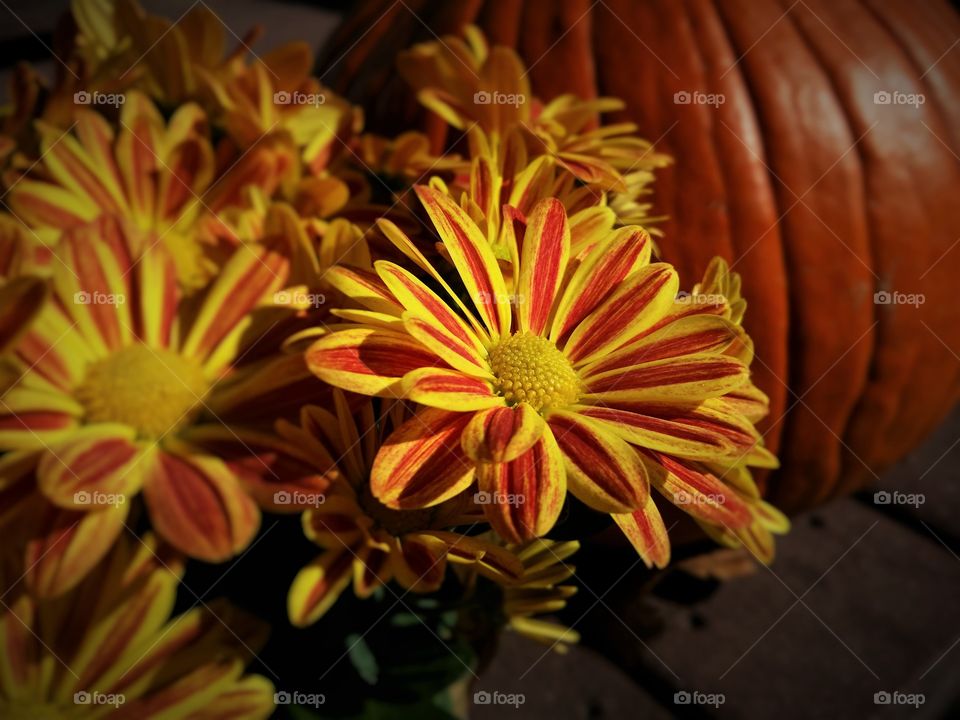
[{"x": 227, "y": 312}]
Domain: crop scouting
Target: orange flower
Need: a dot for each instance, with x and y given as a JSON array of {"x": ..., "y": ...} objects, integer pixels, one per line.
[
  {"x": 363, "y": 539},
  {"x": 110, "y": 648},
  {"x": 557, "y": 382},
  {"x": 119, "y": 384}
]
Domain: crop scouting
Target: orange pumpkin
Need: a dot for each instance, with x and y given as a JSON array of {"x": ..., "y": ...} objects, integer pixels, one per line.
[{"x": 820, "y": 189}]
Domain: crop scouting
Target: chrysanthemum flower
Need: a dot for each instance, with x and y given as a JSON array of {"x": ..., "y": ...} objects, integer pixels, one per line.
[
  {"x": 552, "y": 383},
  {"x": 364, "y": 540},
  {"x": 540, "y": 591},
  {"x": 110, "y": 648},
  {"x": 118, "y": 382},
  {"x": 159, "y": 177}
]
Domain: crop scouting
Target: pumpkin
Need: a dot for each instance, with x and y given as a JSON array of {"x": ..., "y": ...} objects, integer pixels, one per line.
[{"x": 820, "y": 156}]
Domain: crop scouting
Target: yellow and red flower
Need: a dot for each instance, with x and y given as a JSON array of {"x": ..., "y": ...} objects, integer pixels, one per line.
[
  {"x": 120, "y": 381},
  {"x": 581, "y": 374},
  {"x": 365, "y": 541},
  {"x": 110, "y": 648}
]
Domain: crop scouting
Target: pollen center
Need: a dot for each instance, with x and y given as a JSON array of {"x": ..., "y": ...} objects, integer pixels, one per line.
[
  {"x": 531, "y": 369},
  {"x": 153, "y": 391}
]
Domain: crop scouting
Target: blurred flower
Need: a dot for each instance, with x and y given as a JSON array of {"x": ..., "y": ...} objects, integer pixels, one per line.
[
  {"x": 21, "y": 295},
  {"x": 583, "y": 375},
  {"x": 540, "y": 592},
  {"x": 363, "y": 539},
  {"x": 119, "y": 380},
  {"x": 110, "y": 648}
]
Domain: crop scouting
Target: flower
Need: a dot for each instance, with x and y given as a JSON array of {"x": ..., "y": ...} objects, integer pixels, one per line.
[
  {"x": 554, "y": 383},
  {"x": 160, "y": 178},
  {"x": 120, "y": 382},
  {"x": 364, "y": 540},
  {"x": 110, "y": 646},
  {"x": 21, "y": 295},
  {"x": 540, "y": 591}
]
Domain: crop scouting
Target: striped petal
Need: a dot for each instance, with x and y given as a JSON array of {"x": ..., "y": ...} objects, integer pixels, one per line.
[
  {"x": 645, "y": 530},
  {"x": 691, "y": 335},
  {"x": 522, "y": 498},
  {"x": 449, "y": 390},
  {"x": 638, "y": 302},
  {"x": 372, "y": 569},
  {"x": 693, "y": 378},
  {"x": 543, "y": 261},
  {"x": 368, "y": 361},
  {"x": 473, "y": 258},
  {"x": 334, "y": 523},
  {"x": 421, "y": 463},
  {"x": 419, "y": 562},
  {"x": 197, "y": 505},
  {"x": 318, "y": 585},
  {"x": 20, "y": 300},
  {"x": 65, "y": 545},
  {"x": 502, "y": 434},
  {"x": 98, "y": 465},
  {"x": 697, "y": 492},
  {"x": 603, "y": 269},
  {"x": 453, "y": 351},
  {"x": 603, "y": 471},
  {"x": 491, "y": 560},
  {"x": 365, "y": 288}
]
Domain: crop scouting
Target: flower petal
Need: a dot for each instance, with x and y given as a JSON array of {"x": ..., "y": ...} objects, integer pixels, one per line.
[
  {"x": 366, "y": 360},
  {"x": 601, "y": 271},
  {"x": 603, "y": 471},
  {"x": 198, "y": 506},
  {"x": 502, "y": 434},
  {"x": 419, "y": 562},
  {"x": 637, "y": 304},
  {"x": 645, "y": 530},
  {"x": 697, "y": 491},
  {"x": 693, "y": 378},
  {"x": 543, "y": 261},
  {"x": 491, "y": 560},
  {"x": 473, "y": 258},
  {"x": 523, "y": 498},
  {"x": 449, "y": 390},
  {"x": 20, "y": 300},
  {"x": 318, "y": 585},
  {"x": 365, "y": 288},
  {"x": 421, "y": 463}
]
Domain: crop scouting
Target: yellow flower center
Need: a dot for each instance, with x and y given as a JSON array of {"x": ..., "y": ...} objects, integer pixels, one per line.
[
  {"x": 531, "y": 369},
  {"x": 152, "y": 390}
]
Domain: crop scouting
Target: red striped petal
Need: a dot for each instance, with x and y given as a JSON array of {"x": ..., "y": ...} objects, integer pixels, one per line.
[
  {"x": 502, "y": 434},
  {"x": 645, "y": 530},
  {"x": 543, "y": 261},
  {"x": 318, "y": 585},
  {"x": 697, "y": 491},
  {"x": 449, "y": 390},
  {"x": 693, "y": 378}
]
